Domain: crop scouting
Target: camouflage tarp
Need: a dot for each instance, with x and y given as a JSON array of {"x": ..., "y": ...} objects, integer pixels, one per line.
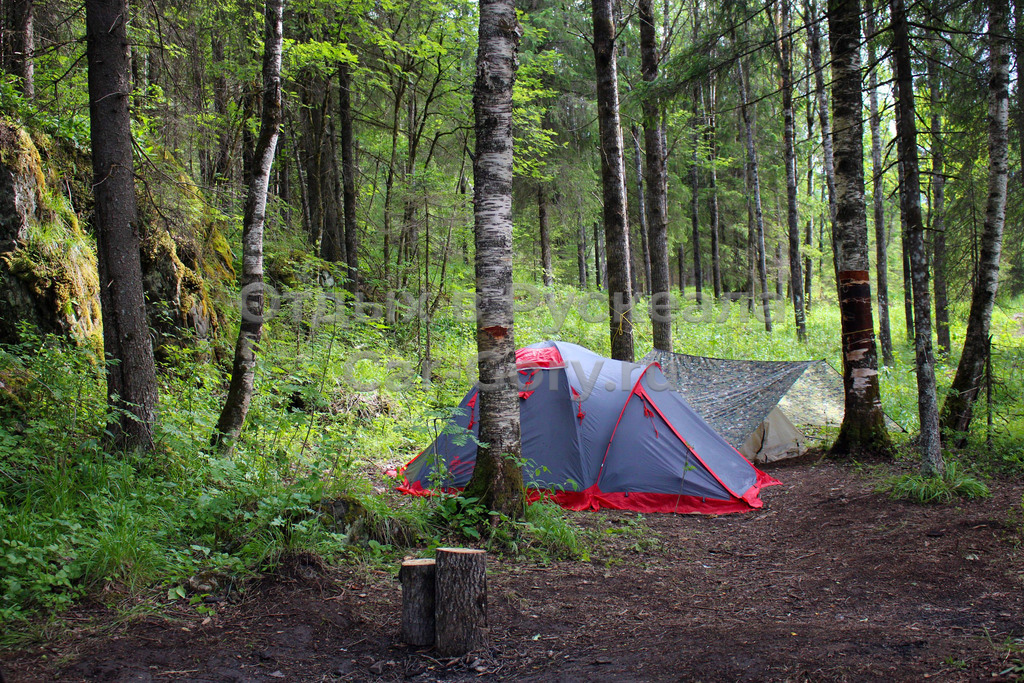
[{"x": 735, "y": 396}]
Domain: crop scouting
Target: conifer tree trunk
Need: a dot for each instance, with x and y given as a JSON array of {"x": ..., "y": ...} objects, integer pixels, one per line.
[
  {"x": 348, "y": 173},
  {"x": 613, "y": 183},
  {"x": 243, "y": 370},
  {"x": 755, "y": 183},
  {"x": 906, "y": 137},
  {"x": 938, "y": 207},
  {"x": 545, "y": 237},
  {"x": 863, "y": 429},
  {"x": 908, "y": 289},
  {"x": 221, "y": 96},
  {"x": 657, "y": 186},
  {"x": 497, "y": 479},
  {"x": 130, "y": 370},
  {"x": 598, "y": 269},
  {"x": 877, "y": 194},
  {"x": 959, "y": 404},
  {"x": 332, "y": 243},
  {"x": 796, "y": 280}
]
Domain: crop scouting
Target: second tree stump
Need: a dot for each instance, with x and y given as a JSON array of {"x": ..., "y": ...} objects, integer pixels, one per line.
[{"x": 460, "y": 601}]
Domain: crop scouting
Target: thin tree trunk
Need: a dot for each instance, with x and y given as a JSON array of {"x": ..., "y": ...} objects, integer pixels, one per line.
[
  {"x": 348, "y": 174},
  {"x": 389, "y": 181},
  {"x": 497, "y": 479},
  {"x": 938, "y": 207},
  {"x": 131, "y": 373},
  {"x": 959, "y": 404},
  {"x": 908, "y": 289},
  {"x": 221, "y": 97},
  {"x": 682, "y": 268},
  {"x": 641, "y": 208},
  {"x": 332, "y": 244},
  {"x": 796, "y": 279},
  {"x": 825, "y": 123},
  {"x": 545, "y": 237},
  {"x": 243, "y": 369},
  {"x": 581, "y": 253},
  {"x": 877, "y": 194},
  {"x": 598, "y": 270},
  {"x": 809, "y": 234},
  {"x": 906, "y": 137},
  {"x": 863, "y": 429},
  {"x": 657, "y": 188},
  {"x": 755, "y": 182},
  {"x": 613, "y": 183},
  {"x": 23, "y": 45},
  {"x": 780, "y": 272},
  {"x": 716, "y": 257},
  {"x": 698, "y": 275}
]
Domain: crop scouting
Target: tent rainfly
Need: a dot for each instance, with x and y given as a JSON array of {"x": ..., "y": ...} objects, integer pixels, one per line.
[
  {"x": 755, "y": 405},
  {"x": 600, "y": 433}
]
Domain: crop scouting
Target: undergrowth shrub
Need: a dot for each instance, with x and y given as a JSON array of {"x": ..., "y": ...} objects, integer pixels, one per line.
[{"x": 954, "y": 483}]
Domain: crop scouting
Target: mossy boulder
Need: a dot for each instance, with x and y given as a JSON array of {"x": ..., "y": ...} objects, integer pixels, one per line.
[
  {"x": 48, "y": 274},
  {"x": 187, "y": 265}
]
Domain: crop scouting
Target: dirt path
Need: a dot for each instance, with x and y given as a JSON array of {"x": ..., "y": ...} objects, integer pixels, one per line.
[{"x": 830, "y": 581}]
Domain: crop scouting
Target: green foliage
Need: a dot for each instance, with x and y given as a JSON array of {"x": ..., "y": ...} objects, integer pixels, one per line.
[{"x": 953, "y": 484}]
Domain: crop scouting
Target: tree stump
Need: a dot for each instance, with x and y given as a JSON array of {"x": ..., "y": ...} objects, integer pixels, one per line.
[
  {"x": 461, "y": 601},
  {"x": 417, "y": 577}
]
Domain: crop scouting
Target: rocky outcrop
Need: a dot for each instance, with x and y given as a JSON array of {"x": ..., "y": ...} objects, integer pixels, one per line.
[
  {"x": 48, "y": 278},
  {"x": 186, "y": 260}
]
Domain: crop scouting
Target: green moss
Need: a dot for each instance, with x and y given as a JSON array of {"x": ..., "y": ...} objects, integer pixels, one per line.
[{"x": 51, "y": 278}]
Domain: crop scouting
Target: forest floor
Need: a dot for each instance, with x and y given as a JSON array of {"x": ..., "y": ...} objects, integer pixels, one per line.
[{"x": 830, "y": 581}]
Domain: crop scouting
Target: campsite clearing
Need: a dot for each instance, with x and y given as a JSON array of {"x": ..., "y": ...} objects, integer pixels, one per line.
[{"x": 831, "y": 581}]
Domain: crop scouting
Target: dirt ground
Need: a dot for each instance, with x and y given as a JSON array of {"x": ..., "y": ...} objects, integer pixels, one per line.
[{"x": 829, "y": 582}]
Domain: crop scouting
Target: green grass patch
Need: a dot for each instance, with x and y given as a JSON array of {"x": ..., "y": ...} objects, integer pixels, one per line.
[{"x": 953, "y": 484}]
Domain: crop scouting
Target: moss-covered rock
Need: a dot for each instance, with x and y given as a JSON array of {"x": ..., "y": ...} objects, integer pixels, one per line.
[
  {"x": 186, "y": 260},
  {"x": 48, "y": 274}
]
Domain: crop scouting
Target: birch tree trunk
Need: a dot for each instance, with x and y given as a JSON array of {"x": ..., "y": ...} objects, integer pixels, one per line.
[
  {"x": 497, "y": 479},
  {"x": 657, "y": 186},
  {"x": 243, "y": 369},
  {"x": 130, "y": 370},
  {"x": 613, "y": 182},
  {"x": 938, "y": 207},
  {"x": 877, "y": 193},
  {"x": 906, "y": 137},
  {"x": 959, "y": 404},
  {"x": 755, "y": 183},
  {"x": 863, "y": 429},
  {"x": 796, "y": 279}
]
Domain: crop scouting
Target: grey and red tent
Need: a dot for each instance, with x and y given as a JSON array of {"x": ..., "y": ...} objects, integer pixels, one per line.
[{"x": 600, "y": 433}]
